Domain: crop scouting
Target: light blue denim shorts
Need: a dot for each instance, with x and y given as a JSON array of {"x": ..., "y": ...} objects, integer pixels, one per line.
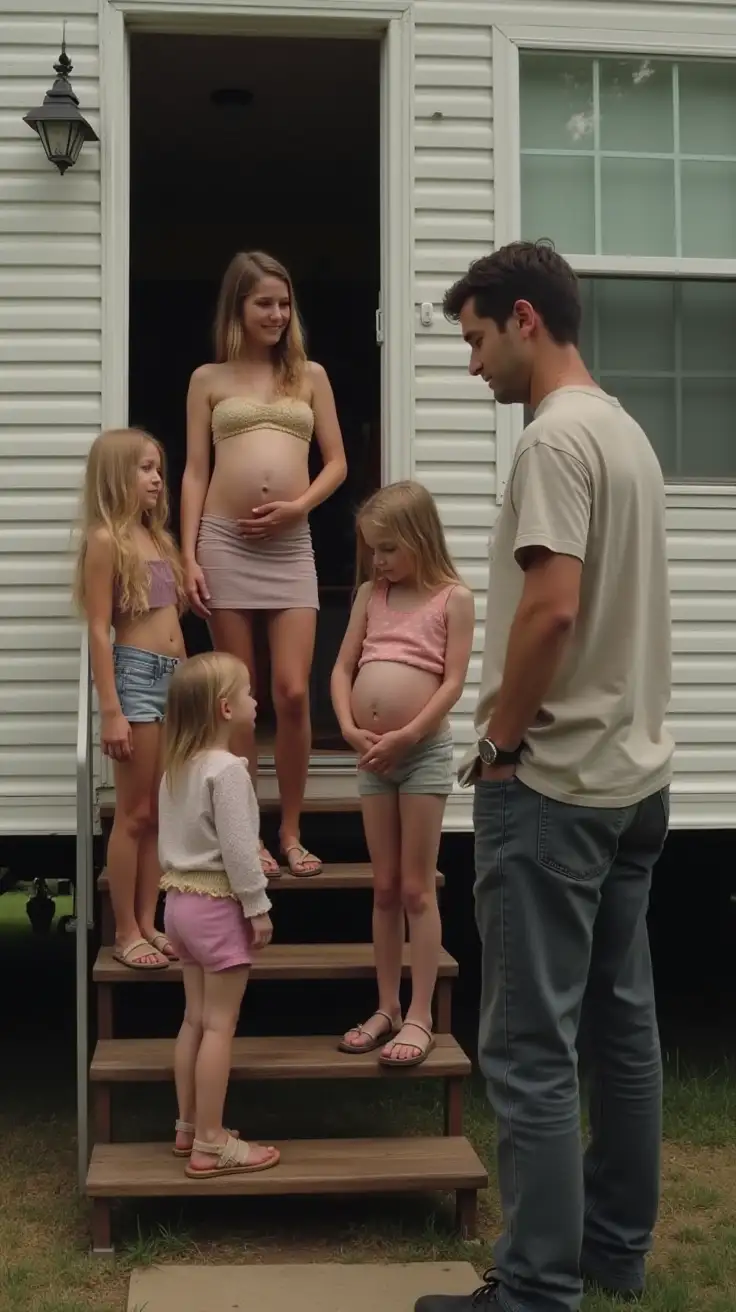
[
  {"x": 142, "y": 681},
  {"x": 426, "y": 769}
]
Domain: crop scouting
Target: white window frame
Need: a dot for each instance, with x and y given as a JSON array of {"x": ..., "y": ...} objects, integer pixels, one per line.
[{"x": 669, "y": 28}]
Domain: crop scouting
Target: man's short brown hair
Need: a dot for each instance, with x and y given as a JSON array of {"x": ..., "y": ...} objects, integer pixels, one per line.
[{"x": 523, "y": 271}]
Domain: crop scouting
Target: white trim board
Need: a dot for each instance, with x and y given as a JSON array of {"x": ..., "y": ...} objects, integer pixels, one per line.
[{"x": 588, "y": 27}]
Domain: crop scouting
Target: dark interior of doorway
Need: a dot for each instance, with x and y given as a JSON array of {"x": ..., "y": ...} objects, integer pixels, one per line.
[{"x": 242, "y": 143}]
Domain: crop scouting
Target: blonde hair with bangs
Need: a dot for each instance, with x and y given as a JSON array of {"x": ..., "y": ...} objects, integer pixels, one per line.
[
  {"x": 110, "y": 501},
  {"x": 407, "y": 513},
  {"x": 193, "y": 718},
  {"x": 244, "y": 272}
]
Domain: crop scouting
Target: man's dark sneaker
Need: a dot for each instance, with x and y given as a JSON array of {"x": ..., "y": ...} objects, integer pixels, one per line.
[{"x": 483, "y": 1300}]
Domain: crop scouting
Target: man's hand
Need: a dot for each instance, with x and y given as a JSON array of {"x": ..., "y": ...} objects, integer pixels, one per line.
[{"x": 497, "y": 774}]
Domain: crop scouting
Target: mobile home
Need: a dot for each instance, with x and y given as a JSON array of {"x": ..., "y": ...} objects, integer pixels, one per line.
[{"x": 377, "y": 147}]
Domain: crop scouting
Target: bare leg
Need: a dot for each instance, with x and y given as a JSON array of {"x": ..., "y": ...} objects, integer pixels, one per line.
[
  {"x": 187, "y": 1047},
  {"x": 291, "y": 639},
  {"x": 131, "y": 825},
  {"x": 223, "y": 994},
  {"x": 232, "y": 631},
  {"x": 147, "y": 744},
  {"x": 383, "y": 836},
  {"x": 421, "y": 829}
]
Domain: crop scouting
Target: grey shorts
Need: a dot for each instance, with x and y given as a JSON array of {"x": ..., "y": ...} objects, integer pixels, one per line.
[
  {"x": 427, "y": 769},
  {"x": 142, "y": 681}
]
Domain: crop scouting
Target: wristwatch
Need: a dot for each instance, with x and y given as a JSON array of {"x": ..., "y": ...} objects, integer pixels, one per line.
[{"x": 492, "y": 755}]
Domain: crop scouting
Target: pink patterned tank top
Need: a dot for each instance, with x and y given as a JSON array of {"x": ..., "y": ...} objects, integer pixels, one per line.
[
  {"x": 411, "y": 637},
  {"x": 162, "y": 588}
]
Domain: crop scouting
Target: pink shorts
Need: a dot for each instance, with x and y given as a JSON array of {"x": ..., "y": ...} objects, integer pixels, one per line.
[{"x": 210, "y": 932}]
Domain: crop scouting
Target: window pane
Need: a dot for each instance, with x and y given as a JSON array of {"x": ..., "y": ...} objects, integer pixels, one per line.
[
  {"x": 709, "y": 209},
  {"x": 638, "y": 204},
  {"x": 636, "y": 106},
  {"x": 557, "y": 201},
  {"x": 709, "y": 328},
  {"x": 557, "y": 104},
  {"x": 708, "y": 409},
  {"x": 635, "y": 325},
  {"x": 707, "y": 108},
  {"x": 652, "y": 403},
  {"x": 665, "y": 348}
]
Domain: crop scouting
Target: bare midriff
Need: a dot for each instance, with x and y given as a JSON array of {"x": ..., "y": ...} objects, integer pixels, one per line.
[
  {"x": 159, "y": 631},
  {"x": 252, "y": 468},
  {"x": 388, "y": 695}
]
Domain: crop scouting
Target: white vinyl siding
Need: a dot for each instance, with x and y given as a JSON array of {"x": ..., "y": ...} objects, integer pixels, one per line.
[
  {"x": 454, "y": 453},
  {"x": 49, "y": 408}
]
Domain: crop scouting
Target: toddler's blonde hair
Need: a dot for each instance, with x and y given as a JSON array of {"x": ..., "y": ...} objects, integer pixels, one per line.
[
  {"x": 407, "y": 513},
  {"x": 110, "y": 501},
  {"x": 193, "y": 706}
]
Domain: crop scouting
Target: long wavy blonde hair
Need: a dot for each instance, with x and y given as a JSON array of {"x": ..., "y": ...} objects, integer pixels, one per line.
[
  {"x": 193, "y": 717},
  {"x": 110, "y": 501},
  {"x": 244, "y": 272},
  {"x": 407, "y": 513}
]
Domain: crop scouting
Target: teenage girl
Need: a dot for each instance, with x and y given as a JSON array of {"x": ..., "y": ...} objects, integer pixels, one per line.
[
  {"x": 409, "y": 637},
  {"x": 129, "y": 579},
  {"x": 216, "y": 901}
]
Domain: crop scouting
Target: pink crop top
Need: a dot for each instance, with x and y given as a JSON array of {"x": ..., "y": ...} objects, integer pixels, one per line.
[
  {"x": 162, "y": 590},
  {"x": 411, "y": 637}
]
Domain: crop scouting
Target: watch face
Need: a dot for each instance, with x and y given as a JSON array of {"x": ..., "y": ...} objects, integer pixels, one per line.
[{"x": 487, "y": 751}]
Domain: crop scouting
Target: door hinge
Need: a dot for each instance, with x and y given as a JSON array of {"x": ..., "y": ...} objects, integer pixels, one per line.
[{"x": 379, "y": 326}]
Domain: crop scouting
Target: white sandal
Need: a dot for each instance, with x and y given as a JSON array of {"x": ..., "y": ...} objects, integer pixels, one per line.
[{"x": 233, "y": 1158}]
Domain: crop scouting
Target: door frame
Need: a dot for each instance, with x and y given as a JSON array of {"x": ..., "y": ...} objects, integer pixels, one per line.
[{"x": 392, "y": 23}]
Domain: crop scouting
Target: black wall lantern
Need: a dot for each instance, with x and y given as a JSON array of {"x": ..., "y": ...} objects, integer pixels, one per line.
[{"x": 58, "y": 122}]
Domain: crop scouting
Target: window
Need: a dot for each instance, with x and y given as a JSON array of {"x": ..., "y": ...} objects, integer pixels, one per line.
[{"x": 629, "y": 165}]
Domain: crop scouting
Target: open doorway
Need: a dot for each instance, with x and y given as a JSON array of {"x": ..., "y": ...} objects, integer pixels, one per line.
[{"x": 271, "y": 144}]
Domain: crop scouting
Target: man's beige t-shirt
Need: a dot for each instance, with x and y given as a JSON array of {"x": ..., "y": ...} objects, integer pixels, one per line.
[{"x": 586, "y": 483}]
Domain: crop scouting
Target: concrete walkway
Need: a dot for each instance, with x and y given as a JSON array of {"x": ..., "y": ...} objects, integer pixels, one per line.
[{"x": 311, "y": 1288}]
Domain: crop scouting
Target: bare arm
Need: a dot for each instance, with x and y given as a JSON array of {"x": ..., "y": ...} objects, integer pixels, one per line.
[
  {"x": 196, "y": 477},
  {"x": 341, "y": 682},
  {"x": 460, "y": 624},
  {"x": 539, "y": 634},
  {"x": 329, "y": 439},
  {"x": 99, "y": 584}
]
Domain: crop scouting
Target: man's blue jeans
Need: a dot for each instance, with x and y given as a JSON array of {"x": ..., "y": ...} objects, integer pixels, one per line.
[{"x": 561, "y": 899}]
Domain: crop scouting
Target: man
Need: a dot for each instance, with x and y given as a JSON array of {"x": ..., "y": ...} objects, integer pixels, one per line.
[{"x": 571, "y": 807}]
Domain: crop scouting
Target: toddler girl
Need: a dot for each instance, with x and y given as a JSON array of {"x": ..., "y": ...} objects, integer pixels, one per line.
[
  {"x": 129, "y": 579},
  {"x": 409, "y": 636},
  {"x": 216, "y": 902}
]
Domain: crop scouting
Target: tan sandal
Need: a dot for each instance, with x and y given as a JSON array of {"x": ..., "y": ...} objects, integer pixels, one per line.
[
  {"x": 123, "y": 955},
  {"x": 186, "y": 1127},
  {"x": 374, "y": 1040},
  {"x": 232, "y": 1159},
  {"x": 269, "y": 864},
  {"x": 396, "y": 1041},
  {"x": 301, "y": 860},
  {"x": 157, "y": 939}
]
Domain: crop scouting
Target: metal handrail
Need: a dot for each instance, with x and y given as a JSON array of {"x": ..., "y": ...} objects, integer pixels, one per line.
[{"x": 84, "y": 899}]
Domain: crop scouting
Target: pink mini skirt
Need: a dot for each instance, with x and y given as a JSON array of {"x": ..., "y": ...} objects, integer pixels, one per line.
[
  {"x": 210, "y": 932},
  {"x": 271, "y": 574}
]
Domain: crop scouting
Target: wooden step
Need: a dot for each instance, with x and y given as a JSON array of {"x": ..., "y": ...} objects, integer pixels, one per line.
[
  {"x": 307, "y": 1166},
  {"x": 119, "y": 1061},
  {"x": 280, "y": 961},
  {"x": 342, "y": 875},
  {"x": 310, "y": 806}
]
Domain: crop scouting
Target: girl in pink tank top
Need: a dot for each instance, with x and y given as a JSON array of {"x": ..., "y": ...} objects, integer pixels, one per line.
[{"x": 400, "y": 670}]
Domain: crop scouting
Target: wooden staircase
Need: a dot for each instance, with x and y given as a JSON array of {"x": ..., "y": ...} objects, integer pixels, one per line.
[{"x": 320, "y": 1166}]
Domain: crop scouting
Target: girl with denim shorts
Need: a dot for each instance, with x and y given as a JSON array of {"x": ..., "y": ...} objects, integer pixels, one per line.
[
  {"x": 400, "y": 670},
  {"x": 216, "y": 901},
  {"x": 129, "y": 580}
]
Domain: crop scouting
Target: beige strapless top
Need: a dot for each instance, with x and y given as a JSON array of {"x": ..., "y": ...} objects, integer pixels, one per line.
[{"x": 243, "y": 414}]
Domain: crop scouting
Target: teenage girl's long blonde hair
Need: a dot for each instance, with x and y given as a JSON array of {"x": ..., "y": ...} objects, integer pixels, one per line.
[
  {"x": 193, "y": 717},
  {"x": 244, "y": 272},
  {"x": 110, "y": 501},
  {"x": 407, "y": 514}
]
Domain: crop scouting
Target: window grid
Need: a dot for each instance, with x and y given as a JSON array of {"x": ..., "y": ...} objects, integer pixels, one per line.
[{"x": 676, "y": 156}]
